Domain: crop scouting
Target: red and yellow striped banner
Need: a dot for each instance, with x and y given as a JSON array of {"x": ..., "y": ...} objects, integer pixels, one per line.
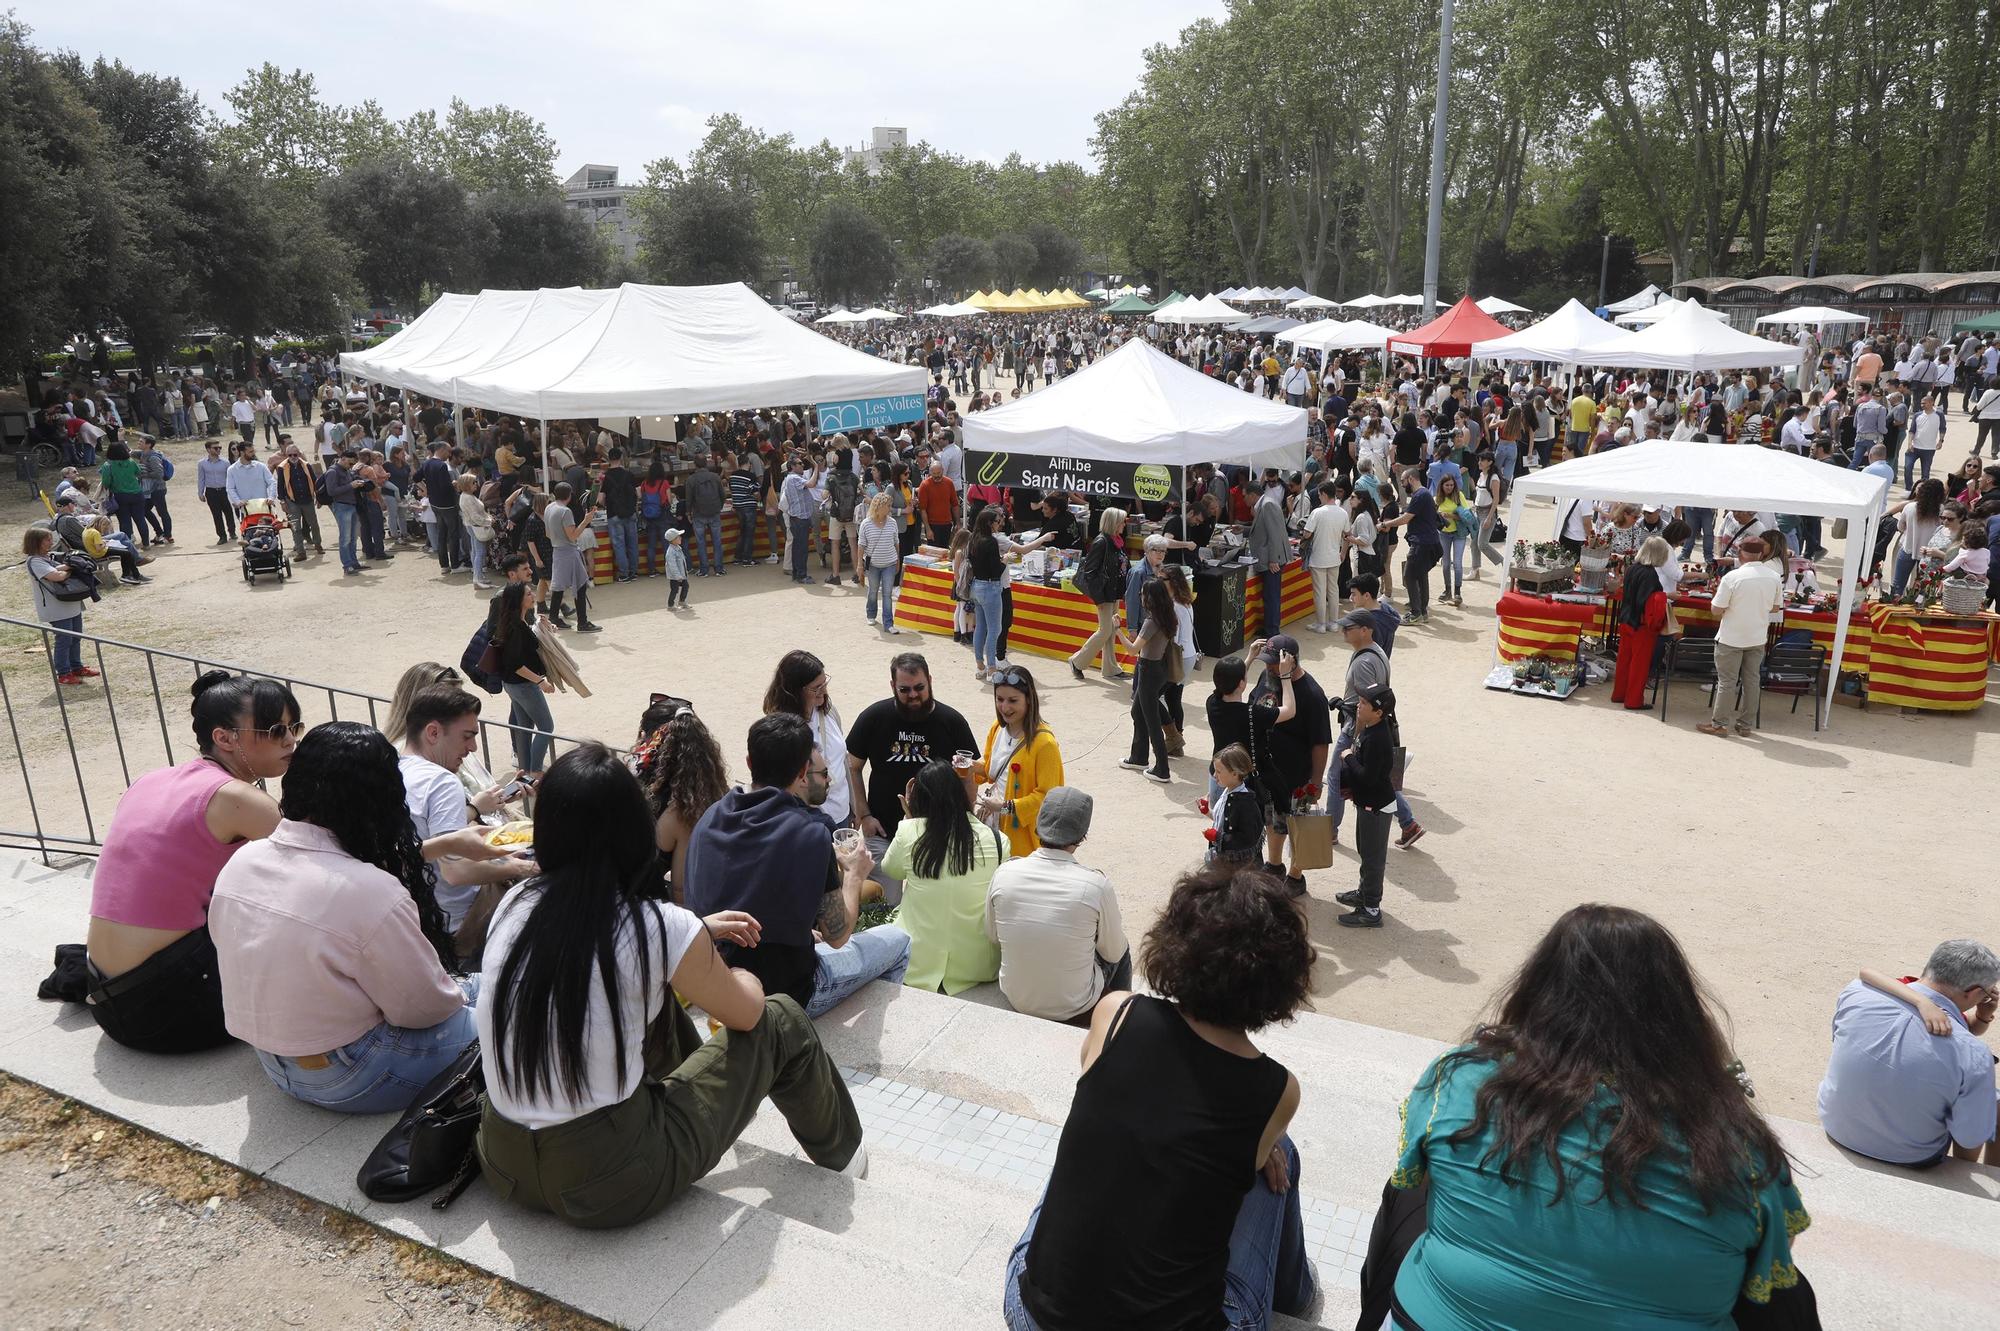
[
  {"x": 1532, "y": 626},
  {"x": 1932, "y": 665},
  {"x": 603, "y": 567}
]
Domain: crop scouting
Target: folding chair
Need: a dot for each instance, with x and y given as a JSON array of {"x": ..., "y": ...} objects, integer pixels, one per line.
[
  {"x": 1797, "y": 669},
  {"x": 1688, "y": 657}
]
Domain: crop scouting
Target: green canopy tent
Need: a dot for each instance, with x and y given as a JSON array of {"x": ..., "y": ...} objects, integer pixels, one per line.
[
  {"x": 1130, "y": 305},
  {"x": 1173, "y": 299},
  {"x": 1985, "y": 323}
]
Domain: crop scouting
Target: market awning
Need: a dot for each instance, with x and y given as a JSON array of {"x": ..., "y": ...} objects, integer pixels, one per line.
[
  {"x": 1691, "y": 338},
  {"x": 1816, "y": 316},
  {"x": 1567, "y": 337},
  {"x": 1451, "y": 333}
]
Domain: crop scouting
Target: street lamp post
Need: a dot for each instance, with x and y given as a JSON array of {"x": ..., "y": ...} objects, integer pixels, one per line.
[
  {"x": 1812, "y": 265},
  {"x": 1434, "y": 231}
]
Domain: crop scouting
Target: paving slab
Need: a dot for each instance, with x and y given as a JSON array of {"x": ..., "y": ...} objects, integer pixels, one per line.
[
  {"x": 1004, "y": 1060},
  {"x": 883, "y": 1026}
]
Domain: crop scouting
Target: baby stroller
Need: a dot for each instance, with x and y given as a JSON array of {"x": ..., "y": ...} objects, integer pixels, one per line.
[{"x": 261, "y": 534}]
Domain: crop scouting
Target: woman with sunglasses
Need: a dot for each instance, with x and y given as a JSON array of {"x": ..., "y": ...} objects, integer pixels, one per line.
[
  {"x": 152, "y": 963},
  {"x": 334, "y": 955},
  {"x": 1022, "y": 760}
]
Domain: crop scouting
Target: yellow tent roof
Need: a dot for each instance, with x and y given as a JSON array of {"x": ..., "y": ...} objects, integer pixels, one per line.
[
  {"x": 1014, "y": 302},
  {"x": 1071, "y": 298},
  {"x": 985, "y": 300}
]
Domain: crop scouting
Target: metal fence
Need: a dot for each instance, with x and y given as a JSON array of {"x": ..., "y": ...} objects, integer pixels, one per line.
[{"x": 77, "y": 748}]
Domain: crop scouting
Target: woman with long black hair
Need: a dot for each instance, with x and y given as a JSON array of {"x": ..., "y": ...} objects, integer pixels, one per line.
[
  {"x": 524, "y": 675},
  {"x": 603, "y": 1104},
  {"x": 1153, "y": 645},
  {"x": 945, "y": 858},
  {"x": 1590, "y": 1160},
  {"x": 334, "y": 955}
]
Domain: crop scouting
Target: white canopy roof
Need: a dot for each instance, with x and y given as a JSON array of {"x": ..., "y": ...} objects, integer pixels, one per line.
[
  {"x": 1138, "y": 405},
  {"x": 1292, "y": 293},
  {"x": 1816, "y": 315},
  {"x": 420, "y": 337},
  {"x": 1652, "y": 295},
  {"x": 1312, "y": 303},
  {"x": 652, "y": 350},
  {"x": 1495, "y": 305},
  {"x": 1745, "y": 476},
  {"x": 842, "y": 317},
  {"x": 877, "y": 312},
  {"x": 1232, "y": 293},
  {"x": 789, "y": 312},
  {"x": 1338, "y": 335},
  {"x": 1402, "y": 300},
  {"x": 1367, "y": 302},
  {"x": 498, "y": 326},
  {"x": 951, "y": 310},
  {"x": 1652, "y": 314},
  {"x": 1208, "y": 310},
  {"x": 1567, "y": 337},
  {"x": 1689, "y": 337}
]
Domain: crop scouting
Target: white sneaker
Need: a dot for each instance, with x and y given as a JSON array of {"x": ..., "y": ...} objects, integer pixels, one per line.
[
  {"x": 858, "y": 1166},
  {"x": 774, "y": 559}
]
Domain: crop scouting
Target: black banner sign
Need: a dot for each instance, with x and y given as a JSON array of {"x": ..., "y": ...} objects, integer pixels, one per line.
[{"x": 1149, "y": 482}]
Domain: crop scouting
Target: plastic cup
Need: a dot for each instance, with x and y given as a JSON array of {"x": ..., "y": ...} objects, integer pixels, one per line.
[
  {"x": 964, "y": 759},
  {"x": 846, "y": 838}
]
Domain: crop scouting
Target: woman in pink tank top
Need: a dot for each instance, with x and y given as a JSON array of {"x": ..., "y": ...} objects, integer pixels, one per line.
[{"x": 154, "y": 980}]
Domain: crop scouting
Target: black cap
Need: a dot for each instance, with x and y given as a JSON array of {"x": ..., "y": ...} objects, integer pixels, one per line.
[
  {"x": 1381, "y": 697},
  {"x": 1276, "y": 645}
]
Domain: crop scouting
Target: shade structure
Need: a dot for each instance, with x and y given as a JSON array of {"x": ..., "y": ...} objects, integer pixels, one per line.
[
  {"x": 1639, "y": 300},
  {"x": 1743, "y": 476},
  {"x": 1451, "y": 333},
  {"x": 789, "y": 312},
  {"x": 1270, "y": 323},
  {"x": 1370, "y": 301},
  {"x": 1691, "y": 338},
  {"x": 1652, "y": 314},
  {"x": 1338, "y": 335},
  {"x": 1207, "y": 310},
  {"x": 1293, "y": 293},
  {"x": 420, "y": 337},
  {"x": 1145, "y": 290},
  {"x": 653, "y": 350},
  {"x": 1097, "y": 293},
  {"x": 877, "y": 312},
  {"x": 1817, "y": 316},
  {"x": 1233, "y": 293},
  {"x": 951, "y": 310},
  {"x": 1311, "y": 303},
  {"x": 1014, "y": 302},
  {"x": 1567, "y": 337},
  {"x": 985, "y": 300},
  {"x": 1138, "y": 405},
  {"x": 1133, "y": 304},
  {"x": 1495, "y": 305},
  {"x": 1411, "y": 301},
  {"x": 1172, "y": 298},
  {"x": 1985, "y": 323},
  {"x": 499, "y": 326}
]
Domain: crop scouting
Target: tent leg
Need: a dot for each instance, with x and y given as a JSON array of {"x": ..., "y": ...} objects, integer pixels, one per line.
[
  {"x": 1860, "y": 545},
  {"x": 547, "y": 485}
]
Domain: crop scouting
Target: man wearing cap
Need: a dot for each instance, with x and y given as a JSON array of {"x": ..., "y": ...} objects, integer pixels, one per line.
[
  {"x": 1368, "y": 668},
  {"x": 1294, "y": 751},
  {"x": 1062, "y": 945}
]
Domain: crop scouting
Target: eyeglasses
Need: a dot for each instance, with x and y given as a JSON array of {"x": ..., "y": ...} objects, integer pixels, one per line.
[
  {"x": 282, "y": 731},
  {"x": 1013, "y": 679},
  {"x": 820, "y": 772}
]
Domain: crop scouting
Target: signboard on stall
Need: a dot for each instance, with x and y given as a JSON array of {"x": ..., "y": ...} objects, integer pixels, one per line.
[
  {"x": 1148, "y": 482},
  {"x": 870, "y": 413}
]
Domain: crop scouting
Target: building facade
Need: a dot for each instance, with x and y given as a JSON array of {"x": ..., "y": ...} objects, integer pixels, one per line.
[
  {"x": 595, "y": 193},
  {"x": 880, "y": 140},
  {"x": 1915, "y": 304}
]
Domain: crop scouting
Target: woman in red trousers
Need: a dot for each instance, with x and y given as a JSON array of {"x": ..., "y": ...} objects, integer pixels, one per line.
[{"x": 1642, "y": 613}]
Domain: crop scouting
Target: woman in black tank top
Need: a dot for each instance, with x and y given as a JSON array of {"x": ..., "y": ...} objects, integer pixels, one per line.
[{"x": 1173, "y": 1205}]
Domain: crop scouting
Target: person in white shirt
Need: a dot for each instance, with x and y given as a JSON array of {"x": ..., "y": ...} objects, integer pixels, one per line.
[
  {"x": 1794, "y": 437},
  {"x": 440, "y": 730},
  {"x": 244, "y": 413},
  {"x": 1296, "y": 383},
  {"x": 1326, "y": 528},
  {"x": 1062, "y": 944},
  {"x": 1926, "y": 435},
  {"x": 1744, "y": 602}
]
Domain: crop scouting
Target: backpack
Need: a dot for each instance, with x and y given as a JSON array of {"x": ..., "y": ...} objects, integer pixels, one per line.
[
  {"x": 475, "y": 652},
  {"x": 843, "y": 491},
  {"x": 649, "y": 503},
  {"x": 166, "y": 467},
  {"x": 320, "y": 496}
]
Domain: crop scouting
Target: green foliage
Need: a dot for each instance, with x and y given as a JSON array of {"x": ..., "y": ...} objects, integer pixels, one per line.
[
  {"x": 699, "y": 231},
  {"x": 521, "y": 241},
  {"x": 853, "y": 259},
  {"x": 962, "y": 263},
  {"x": 405, "y": 223},
  {"x": 1058, "y": 257}
]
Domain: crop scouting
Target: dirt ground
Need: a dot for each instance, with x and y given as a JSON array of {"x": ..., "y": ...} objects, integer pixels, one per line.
[
  {"x": 105, "y": 1227},
  {"x": 1783, "y": 862}
]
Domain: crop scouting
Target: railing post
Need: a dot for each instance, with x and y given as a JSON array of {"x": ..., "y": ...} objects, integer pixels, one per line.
[{"x": 34, "y": 811}]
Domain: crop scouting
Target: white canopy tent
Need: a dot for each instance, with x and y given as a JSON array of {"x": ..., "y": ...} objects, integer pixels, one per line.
[
  {"x": 1495, "y": 305},
  {"x": 1312, "y": 303},
  {"x": 1139, "y": 405},
  {"x": 1639, "y": 300},
  {"x": 1567, "y": 337},
  {"x": 1817, "y": 316},
  {"x": 1743, "y": 476},
  {"x": 503, "y": 324},
  {"x": 1292, "y": 293},
  {"x": 1652, "y": 314},
  {"x": 1691, "y": 338},
  {"x": 877, "y": 312},
  {"x": 1338, "y": 335},
  {"x": 951, "y": 310},
  {"x": 421, "y": 337},
  {"x": 790, "y": 313},
  {"x": 842, "y": 317},
  {"x": 1208, "y": 310},
  {"x": 1232, "y": 293},
  {"x": 1403, "y": 300}
]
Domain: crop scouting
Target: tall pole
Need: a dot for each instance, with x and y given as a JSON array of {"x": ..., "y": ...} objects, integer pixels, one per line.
[
  {"x": 1434, "y": 231},
  {"x": 1604, "y": 270}
]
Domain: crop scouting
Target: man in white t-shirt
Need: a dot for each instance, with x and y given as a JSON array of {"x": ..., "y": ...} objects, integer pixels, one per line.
[
  {"x": 1744, "y": 602},
  {"x": 1326, "y": 527},
  {"x": 440, "y": 730}
]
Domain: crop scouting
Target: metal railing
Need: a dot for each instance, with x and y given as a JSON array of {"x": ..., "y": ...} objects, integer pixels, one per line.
[{"x": 100, "y": 745}]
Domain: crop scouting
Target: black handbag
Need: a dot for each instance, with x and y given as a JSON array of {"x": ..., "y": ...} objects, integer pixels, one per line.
[{"x": 432, "y": 1144}]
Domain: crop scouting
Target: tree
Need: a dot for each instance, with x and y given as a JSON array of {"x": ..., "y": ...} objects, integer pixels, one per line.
[
  {"x": 485, "y": 148},
  {"x": 852, "y": 257},
  {"x": 406, "y": 224},
  {"x": 282, "y": 131},
  {"x": 698, "y": 231},
  {"x": 1058, "y": 258},
  {"x": 272, "y": 262},
  {"x": 960, "y": 263},
  {"x": 1013, "y": 258},
  {"x": 524, "y": 241}
]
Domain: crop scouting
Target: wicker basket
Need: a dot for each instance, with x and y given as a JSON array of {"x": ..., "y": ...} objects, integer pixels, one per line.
[{"x": 1963, "y": 596}]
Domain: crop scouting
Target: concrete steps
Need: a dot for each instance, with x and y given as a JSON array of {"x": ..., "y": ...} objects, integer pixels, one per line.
[{"x": 962, "y": 1102}]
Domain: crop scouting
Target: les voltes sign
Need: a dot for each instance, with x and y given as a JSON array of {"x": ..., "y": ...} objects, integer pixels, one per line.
[{"x": 1148, "y": 482}]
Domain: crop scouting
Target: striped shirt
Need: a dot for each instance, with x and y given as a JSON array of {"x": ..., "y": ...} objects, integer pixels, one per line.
[{"x": 878, "y": 543}]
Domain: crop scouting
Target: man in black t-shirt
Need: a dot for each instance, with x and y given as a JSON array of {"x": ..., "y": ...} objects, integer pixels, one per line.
[
  {"x": 1294, "y": 751},
  {"x": 894, "y": 739}
]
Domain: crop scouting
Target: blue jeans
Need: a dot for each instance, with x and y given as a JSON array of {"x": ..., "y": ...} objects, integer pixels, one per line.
[
  {"x": 986, "y": 611},
  {"x": 531, "y": 710},
  {"x": 1274, "y": 597},
  {"x": 1505, "y": 454},
  {"x": 882, "y": 584},
  {"x": 67, "y": 650},
  {"x": 798, "y": 545},
  {"x": 1454, "y": 563},
  {"x": 881, "y": 953},
  {"x": 383, "y": 1070},
  {"x": 1904, "y": 567},
  {"x": 746, "y": 533},
  {"x": 1911, "y": 459},
  {"x": 392, "y": 509},
  {"x": 707, "y": 531},
  {"x": 1338, "y": 806},
  {"x": 1701, "y": 522},
  {"x": 653, "y": 544},
  {"x": 1268, "y": 1270},
  {"x": 345, "y": 518},
  {"x": 624, "y": 545}
]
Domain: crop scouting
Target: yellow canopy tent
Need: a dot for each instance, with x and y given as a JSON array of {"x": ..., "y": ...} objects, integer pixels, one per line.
[
  {"x": 985, "y": 300},
  {"x": 1014, "y": 302},
  {"x": 1073, "y": 300}
]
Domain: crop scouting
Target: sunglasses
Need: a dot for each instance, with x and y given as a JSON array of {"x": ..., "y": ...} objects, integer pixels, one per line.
[
  {"x": 1011, "y": 678},
  {"x": 284, "y": 730}
]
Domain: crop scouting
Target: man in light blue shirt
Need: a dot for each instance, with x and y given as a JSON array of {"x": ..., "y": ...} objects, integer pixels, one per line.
[{"x": 1896, "y": 1093}]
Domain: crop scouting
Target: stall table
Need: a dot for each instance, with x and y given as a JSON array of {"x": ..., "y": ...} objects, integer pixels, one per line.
[
  {"x": 603, "y": 568},
  {"x": 1055, "y": 621}
]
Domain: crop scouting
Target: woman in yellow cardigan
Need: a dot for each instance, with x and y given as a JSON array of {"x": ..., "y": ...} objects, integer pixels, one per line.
[{"x": 1023, "y": 761}]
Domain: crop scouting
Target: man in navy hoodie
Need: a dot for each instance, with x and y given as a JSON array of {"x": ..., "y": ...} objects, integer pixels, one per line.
[{"x": 768, "y": 850}]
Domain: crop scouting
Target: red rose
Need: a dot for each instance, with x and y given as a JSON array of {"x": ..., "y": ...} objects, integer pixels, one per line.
[
  {"x": 1208, "y": 834},
  {"x": 1202, "y": 804},
  {"x": 1015, "y": 768}
]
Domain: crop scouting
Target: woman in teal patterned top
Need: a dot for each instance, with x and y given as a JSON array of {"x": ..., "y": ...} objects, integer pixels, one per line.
[{"x": 1593, "y": 1163}]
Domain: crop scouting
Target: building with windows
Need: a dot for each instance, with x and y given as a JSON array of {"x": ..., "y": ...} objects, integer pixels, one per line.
[
  {"x": 594, "y": 191},
  {"x": 1900, "y": 303},
  {"x": 880, "y": 140}
]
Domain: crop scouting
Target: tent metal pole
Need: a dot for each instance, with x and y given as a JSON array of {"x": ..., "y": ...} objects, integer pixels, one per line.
[{"x": 1860, "y": 545}]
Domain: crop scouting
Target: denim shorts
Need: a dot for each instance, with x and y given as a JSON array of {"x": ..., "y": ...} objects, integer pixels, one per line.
[{"x": 382, "y": 1071}]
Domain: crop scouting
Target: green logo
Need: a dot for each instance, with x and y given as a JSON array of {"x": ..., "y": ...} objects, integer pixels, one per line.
[
  {"x": 1152, "y": 482},
  {"x": 993, "y": 468}
]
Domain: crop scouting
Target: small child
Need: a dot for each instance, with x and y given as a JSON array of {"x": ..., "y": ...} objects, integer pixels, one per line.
[
  {"x": 1238, "y": 817},
  {"x": 1973, "y": 559},
  {"x": 961, "y": 585},
  {"x": 1229, "y": 710},
  {"x": 677, "y": 569}
]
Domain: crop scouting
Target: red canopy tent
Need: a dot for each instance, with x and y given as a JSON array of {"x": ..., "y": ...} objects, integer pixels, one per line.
[{"x": 1451, "y": 333}]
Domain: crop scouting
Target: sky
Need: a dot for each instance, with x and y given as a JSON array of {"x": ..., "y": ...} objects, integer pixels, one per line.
[{"x": 626, "y": 83}]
